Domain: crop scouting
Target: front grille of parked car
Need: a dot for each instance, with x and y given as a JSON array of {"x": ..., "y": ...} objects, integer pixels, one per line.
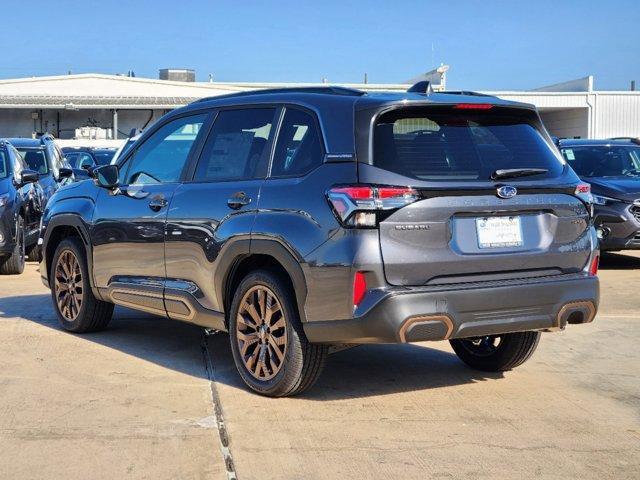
[{"x": 635, "y": 211}]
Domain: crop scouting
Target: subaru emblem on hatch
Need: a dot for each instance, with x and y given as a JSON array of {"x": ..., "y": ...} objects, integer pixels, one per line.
[{"x": 507, "y": 191}]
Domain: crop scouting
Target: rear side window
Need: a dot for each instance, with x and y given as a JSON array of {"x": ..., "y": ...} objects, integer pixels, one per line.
[
  {"x": 237, "y": 146},
  {"x": 298, "y": 149},
  {"x": 444, "y": 144}
]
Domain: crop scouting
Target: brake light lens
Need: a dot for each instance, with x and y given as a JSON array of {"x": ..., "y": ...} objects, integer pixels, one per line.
[
  {"x": 473, "y": 106},
  {"x": 358, "y": 205},
  {"x": 593, "y": 268},
  {"x": 359, "y": 288}
]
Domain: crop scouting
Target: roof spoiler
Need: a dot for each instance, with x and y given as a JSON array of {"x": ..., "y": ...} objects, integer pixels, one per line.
[{"x": 423, "y": 86}]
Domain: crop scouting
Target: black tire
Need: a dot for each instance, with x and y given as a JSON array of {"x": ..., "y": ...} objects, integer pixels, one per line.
[
  {"x": 93, "y": 314},
  {"x": 14, "y": 264},
  {"x": 302, "y": 361},
  {"x": 34, "y": 254},
  {"x": 497, "y": 353}
]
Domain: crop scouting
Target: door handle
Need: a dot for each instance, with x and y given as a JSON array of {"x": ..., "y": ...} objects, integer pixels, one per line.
[
  {"x": 157, "y": 203},
  {"x": 238, "y": 200}
]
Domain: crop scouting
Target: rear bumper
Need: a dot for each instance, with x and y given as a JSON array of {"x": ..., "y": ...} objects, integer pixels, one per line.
[{"x": 413, "y": 315}]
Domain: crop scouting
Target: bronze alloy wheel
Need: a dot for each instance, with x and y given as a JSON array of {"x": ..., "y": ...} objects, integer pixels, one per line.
[
  {"x": 261, "y": 333},
  {"x": 68, "y": 285}
]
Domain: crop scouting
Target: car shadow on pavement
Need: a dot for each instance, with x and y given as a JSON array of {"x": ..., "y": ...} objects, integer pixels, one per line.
[
  {"x": 618, "y": 261},
  {"x": 362, "y": 371},
  {"x": 170, "y": 344},
  {"x": 367, "y": 370}
]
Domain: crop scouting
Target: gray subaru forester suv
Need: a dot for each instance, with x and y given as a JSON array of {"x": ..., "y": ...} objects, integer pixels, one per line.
[{"x": 299, "y": 219}]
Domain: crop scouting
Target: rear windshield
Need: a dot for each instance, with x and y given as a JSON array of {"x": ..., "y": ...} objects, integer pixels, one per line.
[
  {"x": 461, "y": 145},
  {"x": 35, "y": 159},
  {"x": 604, "y": 160}
]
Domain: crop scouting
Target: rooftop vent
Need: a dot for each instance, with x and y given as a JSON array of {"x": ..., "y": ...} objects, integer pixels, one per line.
[{"x": 178, "y": 74}]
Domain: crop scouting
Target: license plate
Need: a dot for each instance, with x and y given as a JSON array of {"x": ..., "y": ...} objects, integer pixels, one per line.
[{"x": 499, "y": 232}]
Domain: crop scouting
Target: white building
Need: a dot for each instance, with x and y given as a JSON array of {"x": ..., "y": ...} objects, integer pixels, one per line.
[{"x": 117, "y": 104}]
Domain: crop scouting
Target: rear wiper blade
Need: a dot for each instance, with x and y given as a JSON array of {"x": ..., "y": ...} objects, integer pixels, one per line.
[{"x": 516, "y": 172}]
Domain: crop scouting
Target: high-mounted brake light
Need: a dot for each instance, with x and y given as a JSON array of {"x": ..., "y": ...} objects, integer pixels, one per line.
[
  {"x": 358, "y": 205},
  {"x": 473, "y": 106}
]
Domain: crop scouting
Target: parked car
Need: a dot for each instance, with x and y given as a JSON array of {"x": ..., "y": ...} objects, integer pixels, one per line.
[
  {"x": 124, "y": 148},
  {"x": 21, "y": 208},
  {"x": 612, "y": 167},
  {"x": 88, "y": 157},
  {"x": 296, "y": 219},
  {"x": 42, "y": 155}
]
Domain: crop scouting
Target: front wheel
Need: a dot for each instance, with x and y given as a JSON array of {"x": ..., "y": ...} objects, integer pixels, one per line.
[
  {"x": 78, "y": 309},
  {"x": 14, "y": 264},
  {"x": 496, "y": 353},
  {"x": 270, "y": 350}
]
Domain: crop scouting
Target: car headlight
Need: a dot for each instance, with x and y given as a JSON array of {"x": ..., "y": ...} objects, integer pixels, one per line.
[
  {"x": 4, "y": 199},
  {"x": 602, "y": 200}
]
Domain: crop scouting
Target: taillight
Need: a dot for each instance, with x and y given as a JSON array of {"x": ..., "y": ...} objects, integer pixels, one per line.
[
  {"x": 583, "y": 191},
  {"x": 593, "y": 268},
  {"x": 359, "y": 288},
  {"x": 358, "y": 205}
]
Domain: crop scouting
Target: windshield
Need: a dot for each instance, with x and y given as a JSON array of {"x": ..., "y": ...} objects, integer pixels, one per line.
[
  {"x": 603, "y": 160},
  {"x": 36, "y": 159},
  {"x": 103, "y": 157},
  {"x": 445, "y": 144},
  {"x": 4, "y": 165}
]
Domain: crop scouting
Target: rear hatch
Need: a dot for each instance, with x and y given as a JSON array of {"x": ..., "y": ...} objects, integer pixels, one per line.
[{"x": 461, "y": 161}]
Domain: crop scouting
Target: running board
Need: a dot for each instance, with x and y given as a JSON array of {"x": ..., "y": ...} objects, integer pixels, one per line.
[{"x": 171, "y": 303}]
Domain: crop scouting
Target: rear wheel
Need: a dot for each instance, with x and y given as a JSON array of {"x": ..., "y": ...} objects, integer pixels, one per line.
[
  {"x": 77, "y": 308},
  {"x": 14, "y": 264},
  {"x": 269, "y": 347},
  {"x": 496, "y": 353}
]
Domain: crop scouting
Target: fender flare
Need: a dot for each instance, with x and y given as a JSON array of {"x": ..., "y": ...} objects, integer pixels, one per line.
[
  {"x": 276, "y": 249},
  {"x": 75, "y": 221}
]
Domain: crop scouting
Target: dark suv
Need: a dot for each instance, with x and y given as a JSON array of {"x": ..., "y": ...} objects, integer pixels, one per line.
[
  {"x": 42, "y": 155},
  {"x": 302, "y": 218},
  {"x": 21, "y": 208},
  {"x": 612, "y": 167}
]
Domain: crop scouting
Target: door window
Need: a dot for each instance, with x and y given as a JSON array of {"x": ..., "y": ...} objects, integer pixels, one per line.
[
  {"x": 162, "y": 157},
  {"x": 298, "y": 149},
  {"x": 237, "y": 147}
]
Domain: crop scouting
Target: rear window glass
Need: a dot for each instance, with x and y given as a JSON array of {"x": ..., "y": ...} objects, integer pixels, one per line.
[
  {"x": 604, "y": 160},
  {"x": 445, "y": 144}
]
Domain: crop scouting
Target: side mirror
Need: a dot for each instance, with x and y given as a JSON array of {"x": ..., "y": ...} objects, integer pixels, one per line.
[
  {"x": 64, "y": 172},
  {"x": 28, "y": 176},
  {"x": 106, "y": 176}
]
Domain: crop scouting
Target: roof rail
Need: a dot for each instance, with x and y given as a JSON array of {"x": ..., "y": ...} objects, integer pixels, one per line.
[
  {"x": 467, "y": 92},
  {"x": 631, "y": 139},
  {"x": 344, "y": 91}
]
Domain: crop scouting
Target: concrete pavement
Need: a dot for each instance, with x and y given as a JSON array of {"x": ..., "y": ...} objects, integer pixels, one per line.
[{"x": 135, "y": 402}]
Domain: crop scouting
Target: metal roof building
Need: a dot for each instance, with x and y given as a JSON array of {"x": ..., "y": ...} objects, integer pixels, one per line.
[{"x": 116, "y": 104}]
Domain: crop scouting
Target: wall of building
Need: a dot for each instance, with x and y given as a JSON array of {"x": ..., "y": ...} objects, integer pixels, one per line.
[
  {"x": 617, "y": 114},
  {"x": 18, "y": 122},
  {"x": 567, "y": 123}
]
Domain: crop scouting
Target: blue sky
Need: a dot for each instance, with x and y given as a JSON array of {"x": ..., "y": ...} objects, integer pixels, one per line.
[{"x": 489, "y": 44}]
